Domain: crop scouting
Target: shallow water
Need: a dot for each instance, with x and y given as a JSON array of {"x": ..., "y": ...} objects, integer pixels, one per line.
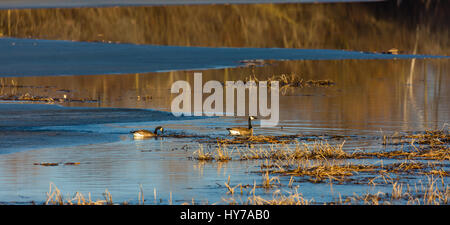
[
  {"x": 370, "y": 98},
  {"x": 30, "y": 126},
  {"x": 367, "y": 95}
]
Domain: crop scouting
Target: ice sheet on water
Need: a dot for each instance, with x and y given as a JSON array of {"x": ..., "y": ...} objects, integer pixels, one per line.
[{"x": 51, "y": 57}]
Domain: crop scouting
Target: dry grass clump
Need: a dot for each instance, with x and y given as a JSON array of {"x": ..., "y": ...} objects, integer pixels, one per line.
[
  {"x": 397, "y": 191},
  {"x": 428, "y": 154},
  {"x": 26, "y": 97},
  {"x": 440, "y": 154},
  {"x": 260, "y": 139},
  {"x": 288, "y": 81},
  {"x": 269, "y": 182},
  {"x": 252, "y": 153},
  {"x": 413, "y": 168},
  {"x": 221, "y": 154},
  {"x": 396, "y": 154},
  {"x": 431, "y": 145},
  {"x": 278, "y": 198},
  {"x": 340, "y": 171},
  {"x": 440, "y": 172},
  {"x": 319, "y": 171},
  {"x": 31, "y": 98},
  {"x": 231, "y": 189},
  {"x": 409, "y": 167},
  {"x": 266, "y": 139},
  {"x": 201, "y": 155},
  {"x": 316, "y": 162},
  {"x": 378, "y": 198},
  {"x": 434, "y": 192},
  {"x": 431, "y": 137},
  {"x": 54, "y": 197},
  {"x": 434, "y": 195},
  {"x": 315, "y": 150},
  {"x": 321, "y": 150},
  {"x": 294, "y": 80},
  {"x": 431, "y": 193}
]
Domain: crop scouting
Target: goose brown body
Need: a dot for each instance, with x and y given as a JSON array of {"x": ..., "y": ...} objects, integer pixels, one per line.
[
  {"x": 242, "y": 131},
  {"x": 145, "y": 133}
]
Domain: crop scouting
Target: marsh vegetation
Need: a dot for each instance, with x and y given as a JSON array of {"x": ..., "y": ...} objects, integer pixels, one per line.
[{"x": 351, "y": 131}]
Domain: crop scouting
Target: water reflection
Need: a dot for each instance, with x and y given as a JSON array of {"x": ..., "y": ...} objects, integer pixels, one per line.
[{"x": 368, "y": 94}]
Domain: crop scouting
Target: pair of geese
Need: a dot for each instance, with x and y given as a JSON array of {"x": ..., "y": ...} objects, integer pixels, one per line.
[{"x": 234, "y": 131}]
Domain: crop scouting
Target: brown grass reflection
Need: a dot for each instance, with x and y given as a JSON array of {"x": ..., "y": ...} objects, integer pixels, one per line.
[{"x": 364, "y": 92}]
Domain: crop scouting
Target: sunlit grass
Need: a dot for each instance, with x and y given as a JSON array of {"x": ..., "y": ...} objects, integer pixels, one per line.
[
  {"x": 220, "y": 154},
  {"x": 282, "y": 25},
  {"x": 55, "y": 197}
]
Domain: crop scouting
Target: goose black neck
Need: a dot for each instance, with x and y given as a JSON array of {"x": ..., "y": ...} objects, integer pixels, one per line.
[
  {"x": 156, "y": 131},
  {"x": 249, "y": 123}
]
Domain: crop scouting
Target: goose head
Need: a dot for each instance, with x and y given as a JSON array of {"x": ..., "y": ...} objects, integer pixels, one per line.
[{"x": 159, "y": 128}]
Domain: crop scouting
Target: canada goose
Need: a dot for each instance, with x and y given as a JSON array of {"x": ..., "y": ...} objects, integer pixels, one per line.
[
  {"x": 145, "y": 133},
  {"x": 242, "y": 131}
]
